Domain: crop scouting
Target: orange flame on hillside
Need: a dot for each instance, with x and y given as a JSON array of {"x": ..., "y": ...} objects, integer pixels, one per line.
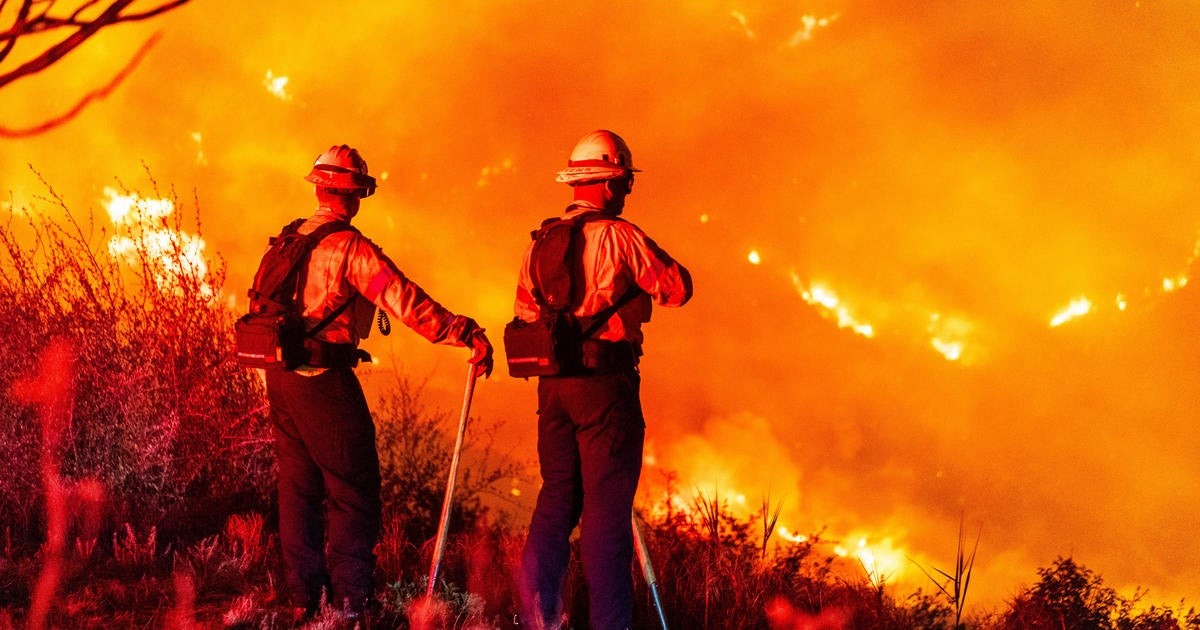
[
  {"x": 177, "y": 257},
  {"x": 949, "y": 336},
  {"x": 832, "y": 307},
  {"x": 880, "y": 561},
  {"x": 1076, "y": 309}
]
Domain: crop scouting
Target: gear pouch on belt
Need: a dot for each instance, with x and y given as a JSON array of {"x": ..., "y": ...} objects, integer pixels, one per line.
[
  {"x": 546, "y": 347},
  {"x": 270, "y": 340}
]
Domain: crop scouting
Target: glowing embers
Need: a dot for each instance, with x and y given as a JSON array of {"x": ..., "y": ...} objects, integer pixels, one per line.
[
  {"x": 948, "y": 335},
  {"x": 199, "y": 140},
  {"x": 1083, "y": 306},
  {"x": 1172, "y": 284},
  {"x": 146, "y": 239},
  {"x": 1123, "y": 301},
  {"x": 743, "y": 22},
  {"x": 832, "y": 307},
  {"x": 488, "y": 172},
  {"x": 1076, "y": 309},
  {"x": 277, "y": 86},
  {"x": 809, "y": 25}
]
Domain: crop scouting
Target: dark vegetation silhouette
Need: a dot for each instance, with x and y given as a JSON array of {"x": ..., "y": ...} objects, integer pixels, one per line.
[{"x": 138, "y": 487}]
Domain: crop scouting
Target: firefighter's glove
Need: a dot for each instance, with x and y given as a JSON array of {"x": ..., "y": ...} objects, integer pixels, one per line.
[{"x": 481, "y": 353}]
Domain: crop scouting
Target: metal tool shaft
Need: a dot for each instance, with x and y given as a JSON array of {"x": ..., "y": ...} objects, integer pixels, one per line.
[
  {"x": 643, "y": 556},
  {"x": 444, "y": 523}
]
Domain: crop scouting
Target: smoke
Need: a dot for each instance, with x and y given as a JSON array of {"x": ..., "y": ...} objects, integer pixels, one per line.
[{"x": 964, "y": 162}]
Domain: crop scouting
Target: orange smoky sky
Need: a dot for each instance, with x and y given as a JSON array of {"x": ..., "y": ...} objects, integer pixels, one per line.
[{"x": 950, "y": 175}]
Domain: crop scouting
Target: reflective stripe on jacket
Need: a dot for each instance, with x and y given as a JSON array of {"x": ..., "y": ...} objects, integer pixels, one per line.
[
  {"x": 616, "y": 255},
  {"x": 347, "y": 265}
]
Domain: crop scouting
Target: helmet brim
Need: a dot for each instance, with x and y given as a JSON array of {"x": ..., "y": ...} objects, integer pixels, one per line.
[
  {"x": 589, "y": 174},
  {"x": 344, "y": 180}
]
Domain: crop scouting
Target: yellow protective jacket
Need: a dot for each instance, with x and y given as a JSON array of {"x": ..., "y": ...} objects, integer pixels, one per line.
[
  {"x": 616, "y": 255},
  {"x": 348, "y": 266}
]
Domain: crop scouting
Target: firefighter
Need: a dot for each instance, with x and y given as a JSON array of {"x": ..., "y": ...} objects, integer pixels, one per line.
[
  {"x": 324, "y": 434},
  {"x": 590, "y": 425}
]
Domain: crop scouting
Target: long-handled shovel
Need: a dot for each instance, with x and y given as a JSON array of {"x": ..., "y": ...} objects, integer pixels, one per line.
[
  {"x": 643, "y": 556},
  {"x": 444, "y": 523}
]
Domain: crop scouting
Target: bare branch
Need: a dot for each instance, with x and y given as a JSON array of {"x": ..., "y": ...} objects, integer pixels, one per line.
[
  {"x": 22, "y": 15},
  {"x": 134, "y": 17},
  {"x": 46, "y": 11},
  {"x": 45, "y": 22},
  {"x": 56, "y": 52},
  {"x": 83, "y": 7},
  {"x": 103, "y": 92},
  {"x": 29, "y": 20}
]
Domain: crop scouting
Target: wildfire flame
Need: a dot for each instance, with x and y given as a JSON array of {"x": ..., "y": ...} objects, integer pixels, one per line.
[
  {"x": 144, "y": 231},
  {"x": 789, "y": 536},
  {"x": 1169, "y": 284},
  {"x": 949, "y": 336},
  {"x": 277, "y": 86},
  {"x": 743, "y": 22},
  {"x": 952, "y": 350},
  {"x": 823, "y": 297},
  {"x": 810, "y": 25},
  {"x": 1077, "y": 308},
  {"x": 882, "y": 562}
]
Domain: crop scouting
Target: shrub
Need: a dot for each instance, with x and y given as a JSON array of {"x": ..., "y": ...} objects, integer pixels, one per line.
[
  {"x": 1069, "y": 595},
  {"x": 163, "y": 417},
  {"x": 415, "y": 447}
]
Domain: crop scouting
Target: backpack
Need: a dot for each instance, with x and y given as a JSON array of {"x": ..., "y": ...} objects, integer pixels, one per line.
[
  {"x": 272, "y": 334},
  {"x": 553, "y": 344}
]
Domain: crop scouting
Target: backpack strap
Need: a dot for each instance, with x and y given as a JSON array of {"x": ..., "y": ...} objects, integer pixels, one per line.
[
  {"x": 601, "y": 318},
  {"x": 312, "y": 239},
  {"x": 279, "y": 292},
  {"x": 572, "y": 257},
  {"x": 329, "y": 318},
  {"x": 548, "y": 256}
]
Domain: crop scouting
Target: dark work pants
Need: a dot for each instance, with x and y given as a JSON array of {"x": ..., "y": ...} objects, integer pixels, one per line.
[
  {"x": 325, "y": 446},
  {"x": 590, "y": 436}
]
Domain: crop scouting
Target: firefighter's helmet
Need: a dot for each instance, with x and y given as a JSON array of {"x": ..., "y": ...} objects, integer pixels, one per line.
[
  {"x": 342, "y": 168},
  {"x": 601, "y": 155}
]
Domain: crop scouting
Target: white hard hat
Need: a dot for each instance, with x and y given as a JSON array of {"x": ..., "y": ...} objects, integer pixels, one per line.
[
  {"x": 342, "y": 168},
  {"x": 601, "y": 155}
]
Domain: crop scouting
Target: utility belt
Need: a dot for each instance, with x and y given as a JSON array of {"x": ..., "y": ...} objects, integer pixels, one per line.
[
  {"x": 323, "y": 354},
  {"x": 607, "y": 357}
]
